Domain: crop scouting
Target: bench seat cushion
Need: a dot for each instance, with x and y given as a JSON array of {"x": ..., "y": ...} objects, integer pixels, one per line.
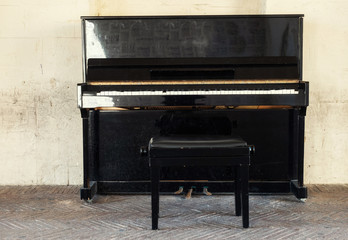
[{"x": 197, "y": 146}]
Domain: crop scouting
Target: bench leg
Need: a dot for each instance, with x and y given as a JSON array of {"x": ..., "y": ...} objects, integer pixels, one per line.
[
  {"x": 155, "y": 181},
  {"x": 237, "y": 189},
  {"x": 245, "y": 194}
]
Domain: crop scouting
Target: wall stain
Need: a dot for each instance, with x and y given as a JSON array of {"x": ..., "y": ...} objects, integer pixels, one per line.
[
  {"x": 53, "y": 83},
  {"x": 15, "y": 96}
]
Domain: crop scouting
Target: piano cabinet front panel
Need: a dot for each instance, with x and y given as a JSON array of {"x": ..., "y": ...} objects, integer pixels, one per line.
[{"x": 118, "y": 136}]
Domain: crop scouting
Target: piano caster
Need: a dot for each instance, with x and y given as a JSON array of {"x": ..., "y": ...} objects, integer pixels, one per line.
[
  {"x": 88, "y": 193},
  {"x": 206, "y": 192},
  {"x": 303, "y": 200}
]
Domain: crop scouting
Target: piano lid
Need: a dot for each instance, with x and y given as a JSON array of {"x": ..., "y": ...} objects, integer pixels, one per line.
[
  {"x": 178, "y": 37},
  {"x": 251, "y": 37}
]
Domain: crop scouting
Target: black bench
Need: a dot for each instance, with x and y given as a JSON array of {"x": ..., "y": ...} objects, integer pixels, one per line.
[{"x": 201, "y": 151}]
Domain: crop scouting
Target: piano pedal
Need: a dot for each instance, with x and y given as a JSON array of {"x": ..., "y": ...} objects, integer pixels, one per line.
[
  {"x": 189, "y": 193},
  {"x": 180, "y": 190},
  {"x": 206, "y": 192}
]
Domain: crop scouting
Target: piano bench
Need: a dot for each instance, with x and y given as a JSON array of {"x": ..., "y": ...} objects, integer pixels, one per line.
[{"x": 201, "y": 150}]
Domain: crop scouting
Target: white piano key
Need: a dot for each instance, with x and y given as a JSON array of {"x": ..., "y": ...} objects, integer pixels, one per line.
[
  {"x": 79, "y": 96},
  {"x": 92, "y": 101}
]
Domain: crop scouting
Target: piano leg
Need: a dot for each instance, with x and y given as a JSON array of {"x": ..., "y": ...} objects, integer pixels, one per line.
[
  {"x": 301, "y": 120},
  {"x": 296, "y": 185},
  {"x": 89, "y": 188},
  {"x": 87, "y": 193}
]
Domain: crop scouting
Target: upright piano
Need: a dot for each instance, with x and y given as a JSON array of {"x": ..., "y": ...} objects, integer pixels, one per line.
[{"x": 162, "y": 75}]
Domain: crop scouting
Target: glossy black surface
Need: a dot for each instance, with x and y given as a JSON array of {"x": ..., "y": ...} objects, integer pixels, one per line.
[
  {"x": 198, "y": 146},
  {"x": 193, "y": 68},
  {"x": 193, "y": 48},
  {"x": 197, "y": 151},
  {"x": 150, "y": 42},
  {"x": 199, "y": 36},
  {"x": 121, "y": 134}
]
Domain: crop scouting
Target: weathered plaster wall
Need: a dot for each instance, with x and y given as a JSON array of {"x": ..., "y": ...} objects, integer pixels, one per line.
[
  {"x": 326, "y": 68},
  {"x": 40, "y": 64}
]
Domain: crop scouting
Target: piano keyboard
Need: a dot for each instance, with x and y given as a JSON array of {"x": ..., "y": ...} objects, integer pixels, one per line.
[
  {"x": 196, "y": 92},
  {"x": 105, "y": 96}
]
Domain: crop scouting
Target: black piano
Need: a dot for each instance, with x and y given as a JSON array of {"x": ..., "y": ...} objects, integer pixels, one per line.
[{"x": 150, "y": 76}]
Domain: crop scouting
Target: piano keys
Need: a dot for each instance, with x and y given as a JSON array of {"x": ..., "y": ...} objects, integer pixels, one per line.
[
  {"x": 211, "y": 95},
  {"x": 147, "y": 76}
]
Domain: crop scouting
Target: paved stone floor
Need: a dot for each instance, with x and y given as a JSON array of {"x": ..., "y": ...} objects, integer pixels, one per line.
[{"x": 51, "y": 212}]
